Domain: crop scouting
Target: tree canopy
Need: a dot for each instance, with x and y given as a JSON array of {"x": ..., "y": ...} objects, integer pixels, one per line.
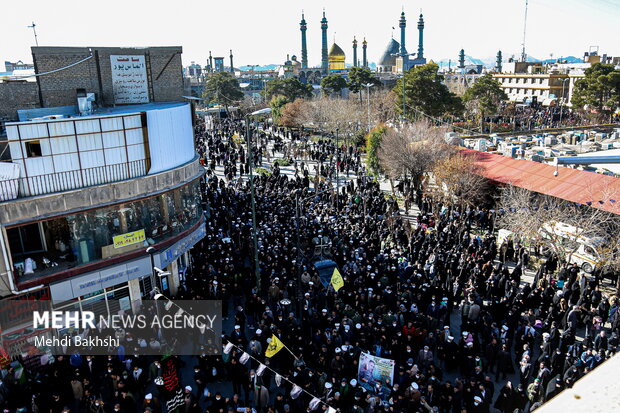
[
  {"x": 599, "y": 90},
  {"x": 485, "y": 95},
  {"x": 222, "y": 88},
  {"x": 425, "y": 92},
  {"x": 373, "y": 143},
  {"x": 333, "y": 84},
  {"x": 290, "y": 88},
  {"x": 360, "y": 76},
  {"x": 277, "y": 103}
]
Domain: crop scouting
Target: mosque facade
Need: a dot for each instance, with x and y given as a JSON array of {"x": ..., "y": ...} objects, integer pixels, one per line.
[{"x": 395, "y": 59}]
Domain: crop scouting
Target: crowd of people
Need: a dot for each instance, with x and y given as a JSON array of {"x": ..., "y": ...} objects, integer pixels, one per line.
[{"x": 437, "y": 296}]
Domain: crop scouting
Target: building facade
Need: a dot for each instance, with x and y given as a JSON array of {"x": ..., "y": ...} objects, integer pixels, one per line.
[
  {"x": 85, "y": 196},
  {"x": 114, "y": 75}
]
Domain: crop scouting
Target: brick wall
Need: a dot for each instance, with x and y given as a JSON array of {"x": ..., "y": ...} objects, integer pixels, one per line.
[
  {"x": 95, "y": 75},
  {"x": 17, "y": 95}
]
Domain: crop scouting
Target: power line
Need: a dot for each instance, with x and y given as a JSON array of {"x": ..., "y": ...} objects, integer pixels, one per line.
[
  {"x": 53, "y": 71},
  {"x": 255, "y": 359}
]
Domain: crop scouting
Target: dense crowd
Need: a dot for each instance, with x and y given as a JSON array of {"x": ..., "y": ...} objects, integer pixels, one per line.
[{"x": 438, "y": 296}]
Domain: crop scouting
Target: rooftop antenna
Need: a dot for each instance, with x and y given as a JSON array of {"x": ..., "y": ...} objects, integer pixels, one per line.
[
  {"x": 34, "y": 30},
  {"x": 523, "y": 56}
]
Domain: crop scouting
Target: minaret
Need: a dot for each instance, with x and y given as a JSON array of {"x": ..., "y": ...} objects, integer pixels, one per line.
[
  {"x": 498, "y": 64},
  {"x": 354, "y": 52},
  {"x": 364, "y": 60},
  {"x": 421, "y": 37},
  {"x": 324, "y": 60},
  {"x": 232, "y": 68},
  {"x": 304, "y": 46},
  {"x": 402, "y": 23},
  {"x": 210, "y": 62},
  {"x": 462, "y": 59}
]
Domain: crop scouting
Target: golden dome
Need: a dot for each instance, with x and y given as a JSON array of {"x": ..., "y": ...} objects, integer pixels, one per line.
[{"x": 336, "y": 51}]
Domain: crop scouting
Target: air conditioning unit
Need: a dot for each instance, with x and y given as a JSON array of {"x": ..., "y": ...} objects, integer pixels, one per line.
[{"x": 85, "y": 103}]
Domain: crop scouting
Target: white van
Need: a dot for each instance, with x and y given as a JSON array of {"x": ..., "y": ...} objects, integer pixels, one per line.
[{"x": 584, "y": 248}]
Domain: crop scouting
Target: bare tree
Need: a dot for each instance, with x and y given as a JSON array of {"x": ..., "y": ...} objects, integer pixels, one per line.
[
  {"x": 331, "y": 114},
  {"x": 458, "y": 182},
  {"x": 412, "y": 151},
  {"x": 382, "y": 106},
  {"x": 560, "y": 226},
  {"x": 249, "y": 105}
]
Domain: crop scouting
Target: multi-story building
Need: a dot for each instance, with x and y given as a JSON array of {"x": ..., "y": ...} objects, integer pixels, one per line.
[
  {"x": 532, "y": 82},
  {"x": 84, "y": 197},
  {"x": 94, "y": 196}
]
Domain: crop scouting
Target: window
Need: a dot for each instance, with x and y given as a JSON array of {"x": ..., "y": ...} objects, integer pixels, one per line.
[
  {"x": 25, "y": 239},
  {"x": 33, "y": 149},
  {"x": 88, "y": 236}
]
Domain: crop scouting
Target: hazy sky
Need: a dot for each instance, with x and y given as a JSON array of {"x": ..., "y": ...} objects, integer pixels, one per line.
[{"x": 262, "y": 32}]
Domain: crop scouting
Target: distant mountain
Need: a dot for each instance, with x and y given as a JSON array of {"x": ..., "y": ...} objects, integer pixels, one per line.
[
  {"x": 469, "y": 60},
  {"x": 569, "y": 59},
  {"x": 490, "y": 61}
]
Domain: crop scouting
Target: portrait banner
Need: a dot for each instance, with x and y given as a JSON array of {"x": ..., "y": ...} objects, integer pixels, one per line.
[{"x": 373, "y": 370}]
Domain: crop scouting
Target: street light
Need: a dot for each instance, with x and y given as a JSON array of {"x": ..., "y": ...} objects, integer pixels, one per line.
[
  {"x": 250, "y": 159},
  {"x": 368, "y": 86},
  {"x": 154, "y": 285},
  {"x": 563, "y": 98}
]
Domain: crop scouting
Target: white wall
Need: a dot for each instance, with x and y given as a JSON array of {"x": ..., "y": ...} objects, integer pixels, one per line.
[
  {"x": 171, "y": 137},
  {"x": 98, "y": 146}
]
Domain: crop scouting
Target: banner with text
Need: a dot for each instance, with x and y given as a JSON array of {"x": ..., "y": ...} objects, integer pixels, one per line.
[{"x": 129, "y": 79}]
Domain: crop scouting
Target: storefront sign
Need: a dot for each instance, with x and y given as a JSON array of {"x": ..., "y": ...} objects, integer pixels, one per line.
[
  {"x": 129, "y": 238},
  {"x": 182, "y": 246}
]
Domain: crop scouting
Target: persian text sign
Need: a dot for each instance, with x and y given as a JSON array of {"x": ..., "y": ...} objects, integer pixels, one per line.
[
  {"x": 129, "y": 238},
  {"x": 129, "y": 79}
]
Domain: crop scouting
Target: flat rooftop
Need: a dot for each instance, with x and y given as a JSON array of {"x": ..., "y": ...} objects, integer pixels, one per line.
[{"x": 71, "y": 112}]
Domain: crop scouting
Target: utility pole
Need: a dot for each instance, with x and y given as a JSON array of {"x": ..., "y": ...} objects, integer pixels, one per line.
[
  {"x": 255, "y": 240},
  {"x": 34, "y": 30},
  {"x": 523, "y": 55}
]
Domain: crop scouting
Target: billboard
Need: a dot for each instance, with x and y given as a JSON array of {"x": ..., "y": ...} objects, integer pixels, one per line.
[
  {"x": 129, "y": 79},
  {"x": 373, "y": 370}
]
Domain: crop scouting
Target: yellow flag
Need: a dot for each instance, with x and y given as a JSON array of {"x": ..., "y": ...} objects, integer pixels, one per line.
[
  {"x": 274, "y": 346},
  {"x": 337, "y": 282}
]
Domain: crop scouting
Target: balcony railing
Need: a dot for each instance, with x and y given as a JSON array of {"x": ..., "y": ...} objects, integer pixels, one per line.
[{"x": 66, "y": 181}]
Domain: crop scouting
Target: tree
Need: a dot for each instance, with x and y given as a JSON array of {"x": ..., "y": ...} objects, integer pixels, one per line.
[
  {"x": 290, "y": 88},
  {"x": 373, "y": 143},
  {"x": 277, "y": 103},
  {"x": 599, "y": 90},
  {"x": 557, "y": 224},
  {"x": 458, "y": 182},
  {"x": 412, "y": 151},
  {"x": 484, "y": 97},
  {"x": 360, "y": 76},
  {"x": 333, "y": 84},
  {"x": 222, "y": 88},
  {"x": 330, "y": 115},
  {"x": 425, "y": 92},
  {"x": 292, "y": 113}
]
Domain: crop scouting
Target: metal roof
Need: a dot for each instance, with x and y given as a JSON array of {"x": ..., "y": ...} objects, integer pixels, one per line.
[{"x": 574, "y": 185}]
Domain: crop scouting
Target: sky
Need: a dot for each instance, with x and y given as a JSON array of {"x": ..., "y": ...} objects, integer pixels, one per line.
[{"x": 264, "y": 32}]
